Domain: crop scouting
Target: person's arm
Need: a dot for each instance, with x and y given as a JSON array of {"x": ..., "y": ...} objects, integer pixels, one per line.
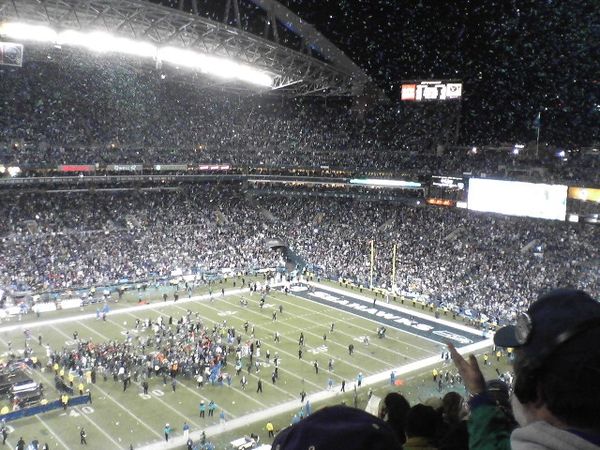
[{"x": 488, "y": 426}]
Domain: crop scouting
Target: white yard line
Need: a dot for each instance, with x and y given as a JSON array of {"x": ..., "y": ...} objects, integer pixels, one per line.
[
  {"x": 49, "y": 382},
  {"x": 56, "y": 436},
  {"x": 165, "y": 404},
  {"x": 401, "y": 309},
  {"x": 149, "y": 306},
  {"x": 374, "y": 319},
  {"x": 108, "y": 396},
  {"x": 346, "y": 362},
  {"x": 399, "y": 340},
  {"x": 229, "y": 414},
  {"x": 291, "y": 355},
  {"x": 85, "y": 416},
  {"x": 294, "y": 405},
  {"x": 267, "y": 413},
  {"x": 239, "y": 391},
  {"x": 253, "y": 375},
  {"x": 281, "y": 299}
]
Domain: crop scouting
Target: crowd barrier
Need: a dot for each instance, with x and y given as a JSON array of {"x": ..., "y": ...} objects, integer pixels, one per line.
[{"x": 33, "y": 410}]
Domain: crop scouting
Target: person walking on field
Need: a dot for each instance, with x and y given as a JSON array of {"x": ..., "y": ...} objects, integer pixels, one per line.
[
  {"x": 270, "y": 429},
  {"x": 83, "y": 435}
]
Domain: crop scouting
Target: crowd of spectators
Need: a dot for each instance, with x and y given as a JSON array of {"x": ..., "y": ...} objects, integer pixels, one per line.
[
  {"x": 468, "y": 262},
  {"x": 60, "y": 112},
  {"x": 480, "y": 265},
  {"x": 64, "y": 241}
]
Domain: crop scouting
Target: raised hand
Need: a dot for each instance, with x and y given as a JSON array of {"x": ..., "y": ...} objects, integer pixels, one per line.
[{"x": 469, "y": 370}]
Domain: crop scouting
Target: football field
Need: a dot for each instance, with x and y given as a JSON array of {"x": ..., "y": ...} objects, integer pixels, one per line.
[{"x": 119, "y": 419}]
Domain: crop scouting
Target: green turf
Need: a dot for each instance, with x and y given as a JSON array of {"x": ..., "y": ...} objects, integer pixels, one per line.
[{"x": 117, "y": 419}]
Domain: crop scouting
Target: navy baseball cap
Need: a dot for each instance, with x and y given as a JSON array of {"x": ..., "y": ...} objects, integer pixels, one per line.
[
  {"x": 555, "y": 317},
  {"x": 338, "y": 427}
]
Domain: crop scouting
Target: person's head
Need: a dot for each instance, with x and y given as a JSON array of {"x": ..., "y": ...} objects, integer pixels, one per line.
[
  {"x": 422, "y": 421},
  {"x": 338, "y": 427},
  {"x": 393, "y": 408},
  {"x": 453, "y": 407},
  {"x": 499, "y": 392},
  {"x": 557, "y": 360}
]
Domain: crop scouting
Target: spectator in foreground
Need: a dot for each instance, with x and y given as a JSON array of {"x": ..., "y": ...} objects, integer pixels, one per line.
[
  {"x": 338, "y": 427},
  {"x": 393, "y": 409},
  {"x": 421, "y": 428},
  {"x": 556, "y": 391},
  {"x": 453, "y": 430}
]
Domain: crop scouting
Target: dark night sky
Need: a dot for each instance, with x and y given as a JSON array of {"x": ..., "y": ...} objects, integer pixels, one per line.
[{"x": 515, "y": 57}]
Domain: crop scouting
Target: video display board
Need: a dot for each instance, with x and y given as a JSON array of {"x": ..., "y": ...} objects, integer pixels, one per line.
[{"x": 517, "y": 198}]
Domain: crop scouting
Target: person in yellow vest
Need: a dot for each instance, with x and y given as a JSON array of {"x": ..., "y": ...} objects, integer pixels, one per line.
[
  {"x": 4, "y": 410},
  {"x": 64, "y": 399},
  {"x": 71, "y": 379},
  {"x": 62, "y": 373},
  {"x": 55, "y": 368},
  {"x": 434, "y": 372},
  {"x": 43, "y": 402},
  {"x": 88, "y": 377},
  {"x": 498, "y": 355},
  {"x": 81, "y": 387},
  {"x": 485, "y": 359},
  {"x": 34, "y": 361},
  {"x": 270, "y": 429}
]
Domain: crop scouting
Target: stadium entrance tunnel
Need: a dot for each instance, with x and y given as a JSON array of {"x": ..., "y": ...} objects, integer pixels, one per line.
[{"x": 293, "y": 261}]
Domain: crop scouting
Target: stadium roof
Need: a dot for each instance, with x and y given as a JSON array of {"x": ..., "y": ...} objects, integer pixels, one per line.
[{"x": 317, "y": 68}]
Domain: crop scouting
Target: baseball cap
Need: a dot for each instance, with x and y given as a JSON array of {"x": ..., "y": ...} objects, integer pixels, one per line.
[
  {"x": 338, "y": 427},
  {"x": 553, "y": 318},
  {"x": 498, "y": 391}
]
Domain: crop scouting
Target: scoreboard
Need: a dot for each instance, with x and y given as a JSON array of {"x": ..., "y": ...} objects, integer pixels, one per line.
[
  {"x": 11, "y": 54},
  {"x": 419, "y": 91},
  {"x": 446, "y": 190}
]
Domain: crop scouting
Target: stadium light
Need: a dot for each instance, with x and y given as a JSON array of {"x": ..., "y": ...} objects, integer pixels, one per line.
[
  {"x": 214, "y": 65},
  {"x": 14, "y": 171},
  {"x": 100, "y": 41},
  {"x": 28, "y": 32},
  {"x": 386, "y": 183}
]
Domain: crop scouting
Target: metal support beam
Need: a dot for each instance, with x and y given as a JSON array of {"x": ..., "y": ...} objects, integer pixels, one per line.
[
  {"x": 297, "y": 72},
  {"x": 273, "y": 21},
  {"x": 236, "y": 10}
]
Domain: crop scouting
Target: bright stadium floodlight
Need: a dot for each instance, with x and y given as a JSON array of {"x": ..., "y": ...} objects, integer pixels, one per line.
[
  {"x": 14, "y": 171},
  {"x": 213, "y": 65},
  {"x": 100, "y": 41},
  {"x": 28, "y": 32}
]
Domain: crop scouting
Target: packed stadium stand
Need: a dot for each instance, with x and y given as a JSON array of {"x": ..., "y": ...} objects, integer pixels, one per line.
[
  {"x": 125, "y": 172},
  {"x": 457, "y": 259}
]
